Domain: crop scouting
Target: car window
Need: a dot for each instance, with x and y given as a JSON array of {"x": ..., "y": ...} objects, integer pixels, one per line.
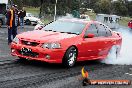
[
  {"x": 65, "y": 26},
  {"x": 92, "y": 29},
  {"x": 108, "y": 32},
  {"x": 103, "y": 30},
  {"x": 110, "y": 19},
  {"x": 106, "y": 19}
]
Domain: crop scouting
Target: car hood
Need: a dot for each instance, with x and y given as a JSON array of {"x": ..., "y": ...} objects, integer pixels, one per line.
[{"x": 44, "y": 36}]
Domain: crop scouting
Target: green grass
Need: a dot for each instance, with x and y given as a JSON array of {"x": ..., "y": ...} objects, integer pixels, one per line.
[
  {"x": 33, "y": 10},
  {"x": 36, "y": 12},
  {"x": 124, "y": 21},
  {"x": 46, "y": 21}
]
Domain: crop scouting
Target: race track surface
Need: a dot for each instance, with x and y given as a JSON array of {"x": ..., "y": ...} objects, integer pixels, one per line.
[{"x": 34, "y": 74}]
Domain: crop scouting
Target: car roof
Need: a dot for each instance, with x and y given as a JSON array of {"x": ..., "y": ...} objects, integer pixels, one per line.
[
  {"x": 82, "y": 21},
  {"x": 76, "y": 20}
]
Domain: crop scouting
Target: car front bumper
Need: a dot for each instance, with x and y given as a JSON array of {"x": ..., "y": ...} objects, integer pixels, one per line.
[{"x": 37, "y": 53}]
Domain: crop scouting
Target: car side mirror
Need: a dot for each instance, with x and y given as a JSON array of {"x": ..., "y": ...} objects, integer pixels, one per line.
[{"x": 90, "y": 35}]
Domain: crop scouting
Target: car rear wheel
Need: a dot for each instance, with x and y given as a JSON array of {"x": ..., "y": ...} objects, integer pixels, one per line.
[
  {"x": 112, "y": 55},
  {"x": 70, "y": 57},
  {"x": 114, "y": 52}
]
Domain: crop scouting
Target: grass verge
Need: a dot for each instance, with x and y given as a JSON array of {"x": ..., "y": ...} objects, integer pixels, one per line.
[
  {"x": 33, "y": 10},
  {"x": 124, "y": 21}
]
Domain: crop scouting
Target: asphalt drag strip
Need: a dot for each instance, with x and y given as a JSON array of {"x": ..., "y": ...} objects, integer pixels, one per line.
[{"x": 34, "y": 74}]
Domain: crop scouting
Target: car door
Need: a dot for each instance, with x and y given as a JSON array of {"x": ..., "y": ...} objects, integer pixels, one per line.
[
  {"x": 90, "y": 46},
  {"x": 104, "y": 39}
]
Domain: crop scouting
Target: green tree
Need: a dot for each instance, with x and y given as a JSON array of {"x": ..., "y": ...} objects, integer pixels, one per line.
[
  {"x": 18, "y": 3},
  {"x": 129, "y": 7},
  {"x": 103, "y": 6},
  {"x": 120, "y": 8}
]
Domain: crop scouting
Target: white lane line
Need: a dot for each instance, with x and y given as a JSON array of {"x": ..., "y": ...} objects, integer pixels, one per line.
[{"x": 128, "y": 73}]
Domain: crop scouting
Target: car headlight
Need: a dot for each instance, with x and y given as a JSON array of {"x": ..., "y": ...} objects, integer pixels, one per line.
[
  {"x": 51, "y": 45},
  {"x": 16, "y": 40}
]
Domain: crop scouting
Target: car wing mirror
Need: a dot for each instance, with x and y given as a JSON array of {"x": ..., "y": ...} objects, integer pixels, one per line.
[{"x": 90, "y": 35}]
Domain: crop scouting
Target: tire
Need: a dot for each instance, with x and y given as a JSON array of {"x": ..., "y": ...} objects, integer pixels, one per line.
[
  {"x": 112, "y": 55},
  {"x": 22, "y": 59},
  {"x": 1, "y": 23},
  {"x": 34, "y": 24},
  {"x": 28, "y": 22},
  {"x": 70, "y": 57},
  {"x": 113, "y": 52}
]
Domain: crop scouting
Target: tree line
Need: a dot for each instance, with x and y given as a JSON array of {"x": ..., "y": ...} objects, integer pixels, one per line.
[{"x": 118, "y": 7}]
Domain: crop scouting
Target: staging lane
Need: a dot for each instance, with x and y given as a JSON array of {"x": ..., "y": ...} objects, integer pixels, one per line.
[{"x": 37, "y": 74}]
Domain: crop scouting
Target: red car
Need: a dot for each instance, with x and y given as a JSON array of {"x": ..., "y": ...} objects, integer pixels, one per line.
[
  {"x": 130, "y": 24},
  {"x": 67, "y": 41}
]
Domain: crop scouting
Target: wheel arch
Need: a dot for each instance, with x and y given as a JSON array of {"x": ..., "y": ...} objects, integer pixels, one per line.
[
  {"x": 67, "y": 50},
  {"x": 65, "y": 59}
]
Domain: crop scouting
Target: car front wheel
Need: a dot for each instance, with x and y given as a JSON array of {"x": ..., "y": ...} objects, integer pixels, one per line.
[
  {"x": 22, "y": 59},
  {"x": 70, "y": 57}
]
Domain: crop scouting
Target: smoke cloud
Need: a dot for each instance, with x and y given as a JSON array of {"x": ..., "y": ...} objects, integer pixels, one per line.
[{"x": 125, "y": 56}]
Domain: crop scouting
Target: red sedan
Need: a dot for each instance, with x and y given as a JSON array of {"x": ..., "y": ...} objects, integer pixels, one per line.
[
  {"x": 67, "y": 41},
  {"x": 130, "y": 24}
]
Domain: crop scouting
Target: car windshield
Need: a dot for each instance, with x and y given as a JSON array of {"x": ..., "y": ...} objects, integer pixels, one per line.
[{"x": 65, "y": 27}]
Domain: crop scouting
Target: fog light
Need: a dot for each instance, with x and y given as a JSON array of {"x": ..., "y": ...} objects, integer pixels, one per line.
[
  {"x": 12, "y": 50},
  {"x": 47, "y": 56}
]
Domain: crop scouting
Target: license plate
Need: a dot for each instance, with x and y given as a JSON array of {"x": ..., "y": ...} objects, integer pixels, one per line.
[{"x": 26, "y": 50}]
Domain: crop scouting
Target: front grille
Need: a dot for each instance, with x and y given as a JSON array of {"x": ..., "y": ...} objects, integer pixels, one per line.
[
  {"x": 26, "y": 52},
  {"x": 30, "y": 43}
]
